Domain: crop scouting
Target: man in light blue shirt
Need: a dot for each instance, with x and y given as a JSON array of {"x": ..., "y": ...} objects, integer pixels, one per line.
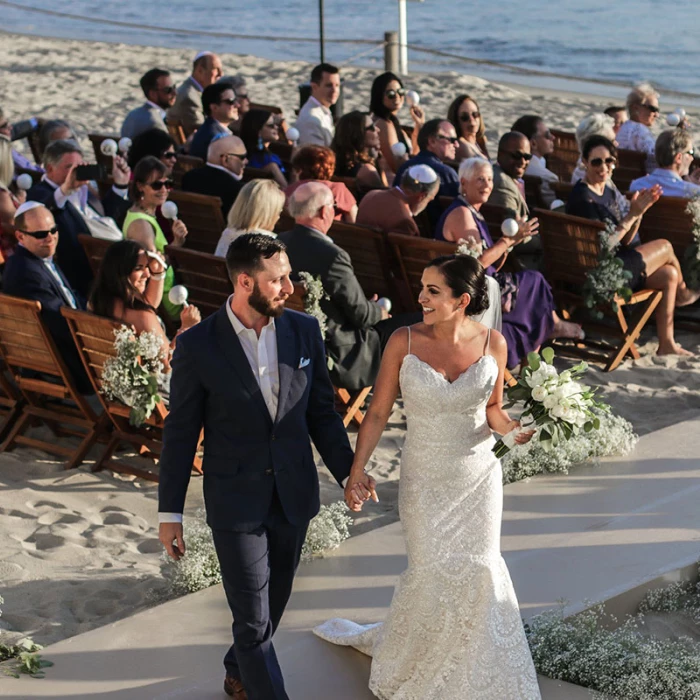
[{"x": 674, "y": 154}]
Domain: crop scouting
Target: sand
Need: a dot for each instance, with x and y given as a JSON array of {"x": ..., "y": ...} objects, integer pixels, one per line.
[{"x": 80, "y": 550}]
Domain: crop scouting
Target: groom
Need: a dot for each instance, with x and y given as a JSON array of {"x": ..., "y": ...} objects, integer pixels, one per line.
[{"x": 254, "y": 376}]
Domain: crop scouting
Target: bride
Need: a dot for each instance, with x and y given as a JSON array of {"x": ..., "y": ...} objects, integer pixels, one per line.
[{"x": 453, "y": 631}]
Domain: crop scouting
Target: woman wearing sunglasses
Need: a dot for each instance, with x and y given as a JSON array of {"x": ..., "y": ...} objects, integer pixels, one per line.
[
  {"x": 386, "y": 100},
  {"x": 652, "y": 264},
  {"x": 465, "y": 115},
  {"x": 356, "y": 146},
  {"x": 149, "y": 190},
  {"x": 258, "y": 130}
]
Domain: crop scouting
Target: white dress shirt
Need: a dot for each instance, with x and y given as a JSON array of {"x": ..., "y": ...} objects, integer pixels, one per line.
[
  {"x": 227, "y": 171},
  {"x": 261, "y": 353},
  {"x": 315, "y": 124}
]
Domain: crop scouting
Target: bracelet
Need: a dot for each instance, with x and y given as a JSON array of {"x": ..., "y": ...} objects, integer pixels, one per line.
[{"x": 160, "y": 276}]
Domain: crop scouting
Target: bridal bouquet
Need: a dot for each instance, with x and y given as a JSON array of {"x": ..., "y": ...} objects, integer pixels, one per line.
[
  {"x": 135, "y": 375},
  {"x": 557, "y": 406}
]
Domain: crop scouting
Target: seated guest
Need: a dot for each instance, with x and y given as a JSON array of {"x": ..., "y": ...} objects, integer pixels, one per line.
[
  {"x": 149, "y": 190},
  {"x": 13, "y": 132},
  {"x": 674, "y": 154},
  {"x": 635, "y": 134},
  {"x": 315, "y": 120},
  {"x": 357, "y": 327},
  {"x": 129, "y": 288},
  {"x": 356, "y": 146},
  {"x": 9, "y": 201},
  {"x": 386, "y": 100},
  {"x": 465, "y": 115},
  {"x": 238, "y": 84},
  {"x": 652, "y": 264},
  {"x": 541, "y": 145},
  {"x": 55, "y": 130},
  {"x": 317, "y": 163},
  {"x": 223, "y": 173},
  {"x": 187, "y": 109},
  {"x": 220, "y": 108},
  {"x": 618, "y": 115},
  {"x": 393, "y": 210},
  {"x": 258, "y": 130},
  {"x": 527, "y": 303},
  {"x": 77, "y": 209},
  {"x": 158, "y": 87},
  {"x": 32, "y": 273},
  {"x": 256, "y": 210}
]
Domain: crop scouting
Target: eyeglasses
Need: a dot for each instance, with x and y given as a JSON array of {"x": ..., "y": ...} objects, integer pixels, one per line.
[
  {"x": 466, "y": 116},
  {"x": 168, "y": 89},
  {"x": 271, "y": 125},
  {"x": 597, "y": 162},
  {"x": 691, "y": 152},
  {"x": 391, "y": 94},
  {"x": 158, "y": 185},
  {"x": 229, "y": 101},
  {"x": 651, "y": 108},
  {"x": 241, "y": 156},
  {"x": 452, "y": 139},
  {"x": 371, "y": 127},
  {"x": 40, "y": 235},
  {"x": 169, "y": 154},
  {"x": 518, "y": 155}
]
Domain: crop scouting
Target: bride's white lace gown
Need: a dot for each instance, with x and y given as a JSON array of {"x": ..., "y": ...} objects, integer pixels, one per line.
[{"x": 454, "y": 630}]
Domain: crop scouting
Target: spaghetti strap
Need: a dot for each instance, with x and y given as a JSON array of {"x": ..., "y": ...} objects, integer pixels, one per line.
[
  {"x": 408, "y": 328},
  {"x": 486, "y": 346}
]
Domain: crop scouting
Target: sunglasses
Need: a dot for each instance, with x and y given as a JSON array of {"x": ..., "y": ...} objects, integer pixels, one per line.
[
  {"x": 4, "y": 126},
  {"x": 271, "y": 125},
  {"x": 466, "y": 116},
  {"x": 371, "y": 127},
  {"x": 691, "y": 152},
  {"x": 169, "y": 154},
  {"x": 391, "y": 94},
  {"x": 597, "y": 162},
  {"x": 230, "y": 101},
  {"x": 451, "y": 139},
  {"x": 517, "y": 155},
  {"x": 242, "y": 97},
  {"x": 241, "y": 156},
  {"x": 40, "y": 235},
  {"x": 169, "y": 89},
  {"x": 651, "y": 108},
  {"x": 158, "y": 185}
]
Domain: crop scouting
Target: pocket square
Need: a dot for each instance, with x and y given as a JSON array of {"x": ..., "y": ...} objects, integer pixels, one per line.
[{"x": 303, "y": 362}]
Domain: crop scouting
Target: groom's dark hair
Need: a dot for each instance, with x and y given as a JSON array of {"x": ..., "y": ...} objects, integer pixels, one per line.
[{"x": 247, "y": 252}]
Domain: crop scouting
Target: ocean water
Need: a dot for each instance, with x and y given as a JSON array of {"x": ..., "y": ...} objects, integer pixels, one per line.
[{"x": 601, "y": 40}]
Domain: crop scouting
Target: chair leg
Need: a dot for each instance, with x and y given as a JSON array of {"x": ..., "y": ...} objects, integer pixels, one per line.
[
  {"x": 88, "y": 441},
  {"x": 16, "y": 430},
  {"x": 352, "y": 404},
  {"x": 107, "y": 454},
  {"x": 508, "y": 378}
]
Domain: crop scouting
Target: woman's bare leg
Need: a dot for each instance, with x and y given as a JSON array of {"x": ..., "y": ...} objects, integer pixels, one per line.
[
  {"x": 658, "y": 253},
  {"x": 666, "y": 279}
]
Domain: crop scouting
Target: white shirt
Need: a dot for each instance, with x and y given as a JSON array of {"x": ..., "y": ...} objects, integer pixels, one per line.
[
  {"x": 262, "y": 357},
  {"x": 159, "y": 109},
  {"x": 315, "y": 124},
  {"x": 634, "y": 136},
  {"x": 226, "y": 170},
  {"x": 67, "y": 294}
]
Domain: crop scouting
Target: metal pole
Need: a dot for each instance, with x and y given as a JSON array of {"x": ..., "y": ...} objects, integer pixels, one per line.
[
  {"x": 403, "y": 38},
  {"x": 321, "y": 33},
  {"x": 391, "y": 52}
]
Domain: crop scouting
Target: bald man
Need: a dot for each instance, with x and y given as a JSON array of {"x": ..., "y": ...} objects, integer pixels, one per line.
[
  {"x": 206, "y": 70},
  {"x": 222, "y": 176}
]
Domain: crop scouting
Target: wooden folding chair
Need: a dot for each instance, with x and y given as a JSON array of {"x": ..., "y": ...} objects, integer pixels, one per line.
[
  {"x": 205, "y": 277},
  {"x": 562, "y": 161},
  {"x": 10, "y": 401},
  {"x": 49, "y": 392},
  {"x": 95, "y": 249},
  {"x": 668, "y": 219},
  {"x": 94, "y": 338},
  {"x": 348, "y": 405},
  {"x": 176, "y": 131},
  {"x": 571, "y": 247},
  {"x": 203, "y": 218},
  {"x": 96, "y": 141},
  {"x": 256, "y": 174},
  {"x": 630, "y": 166},
  {"x": 184, "y": 164}
]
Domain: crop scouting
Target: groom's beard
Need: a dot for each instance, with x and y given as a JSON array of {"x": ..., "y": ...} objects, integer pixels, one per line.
[{"x": 264, "y": 305}]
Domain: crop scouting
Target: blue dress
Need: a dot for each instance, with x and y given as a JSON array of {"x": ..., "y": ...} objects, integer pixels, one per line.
[
  {"x": 529, "y": 322},
  {"x": 259, "y": 159}
]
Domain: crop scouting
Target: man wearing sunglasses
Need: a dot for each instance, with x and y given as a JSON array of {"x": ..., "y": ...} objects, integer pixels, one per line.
[
  {"x": 541, "y": 145},
  {"x": 220, "y": 107},
  {"x": 222, "y": 176},
  {"x": 32, "y": 273},
  {"x": 158, "y": 87},
  {"x": 674, "y": 155}
]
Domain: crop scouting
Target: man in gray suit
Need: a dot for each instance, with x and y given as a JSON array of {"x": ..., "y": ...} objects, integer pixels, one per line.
[
  {"x": 187, "y": 110},
  {"x": 157, "y": 86}
]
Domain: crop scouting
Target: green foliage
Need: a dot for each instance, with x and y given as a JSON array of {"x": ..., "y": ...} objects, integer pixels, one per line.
[
  {"x": 691, "y": 257},
  {"x": 24, "y": 658}
]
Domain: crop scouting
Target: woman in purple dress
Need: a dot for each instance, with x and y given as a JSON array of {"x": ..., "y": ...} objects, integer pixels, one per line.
[{"x": 529, "y": 317}]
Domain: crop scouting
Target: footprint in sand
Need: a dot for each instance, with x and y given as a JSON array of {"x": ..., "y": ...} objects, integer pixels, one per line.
[
  {"x": 39, "y": 505},
  {"x": 150, "y": 546}
]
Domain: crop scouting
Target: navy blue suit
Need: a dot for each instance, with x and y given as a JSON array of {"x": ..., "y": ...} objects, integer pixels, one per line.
[
  {"x": 205, "y": 135},
  {"x": 26, "y": 276},
  {"x": 260, "y": 481}
]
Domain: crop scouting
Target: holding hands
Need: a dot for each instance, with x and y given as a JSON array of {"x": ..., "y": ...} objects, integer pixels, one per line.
[{"x": 359, "y": 488}]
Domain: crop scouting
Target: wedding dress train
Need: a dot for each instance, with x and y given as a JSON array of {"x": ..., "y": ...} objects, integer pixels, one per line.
[{"x": 453, "y": 631}]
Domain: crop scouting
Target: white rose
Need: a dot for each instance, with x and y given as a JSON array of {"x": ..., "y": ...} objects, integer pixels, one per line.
[
  {"x": 539, "y": 393},
  {"x": 565, "y": 376},
  {"x": 536, "y": 378},
  {"x": 579, "y": 419},
  {"x": 550, "y": 402},
  {"x": 558, "y": 411}
]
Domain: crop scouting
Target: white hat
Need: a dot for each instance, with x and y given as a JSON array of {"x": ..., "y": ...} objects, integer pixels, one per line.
[
  {"x": 423, "y": 174},
  {"x": 27, "y": 206},
  {"x": 202, "y": 54}
]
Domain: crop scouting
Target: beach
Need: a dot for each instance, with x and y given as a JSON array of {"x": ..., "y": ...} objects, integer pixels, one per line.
[{"x": 81, "y": 549}]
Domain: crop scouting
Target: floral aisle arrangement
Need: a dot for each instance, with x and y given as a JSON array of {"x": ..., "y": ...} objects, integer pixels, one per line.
[
  {"x": 609, "y": 279},
  {"x": 691, "y": 258},
  {"x": 557, "y": 405},
  {"x": 312, "y": 305}
]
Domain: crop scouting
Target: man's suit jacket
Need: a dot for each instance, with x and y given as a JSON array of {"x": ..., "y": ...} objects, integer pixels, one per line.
[
  {"x": 214, "y": 182},
  {"x": 351, "y": 341},
  {"x": 70, "y": 254},
  {"x": 205, "y": 135},
  {"x": 142, "y": 119},
  {"x": 506, "y": 194},
  {"x": 247, "y": 455},
  {"x": 188, "y": 106},
  {"x": 315, "y": 125},
  {"x": 26, "y": 276}
]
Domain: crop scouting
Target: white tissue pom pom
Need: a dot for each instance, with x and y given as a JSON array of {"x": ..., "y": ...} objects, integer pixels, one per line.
[
  {"x": 412, "y": 98},
  {"x": 293, "y": 133},
  {"x": 385, "y": 304},
  {"x": 108, "y": 147},
  {"x": 673, "y": 119},
  {"x": 178, "y": 295},
  {"x": 509, "y": 228},
  {"x": 169, "y": 210},
  {"x": 680, "y": 112},
  {"x": 24, "y": 181},
  {"x": 399, "y": 149},
  {"x": 556, "y": 204},
  {"x": 124, "y": 144}
]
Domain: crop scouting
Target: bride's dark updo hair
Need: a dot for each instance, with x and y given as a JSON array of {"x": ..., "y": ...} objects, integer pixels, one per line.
[{"x": 465, "y": 275}]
